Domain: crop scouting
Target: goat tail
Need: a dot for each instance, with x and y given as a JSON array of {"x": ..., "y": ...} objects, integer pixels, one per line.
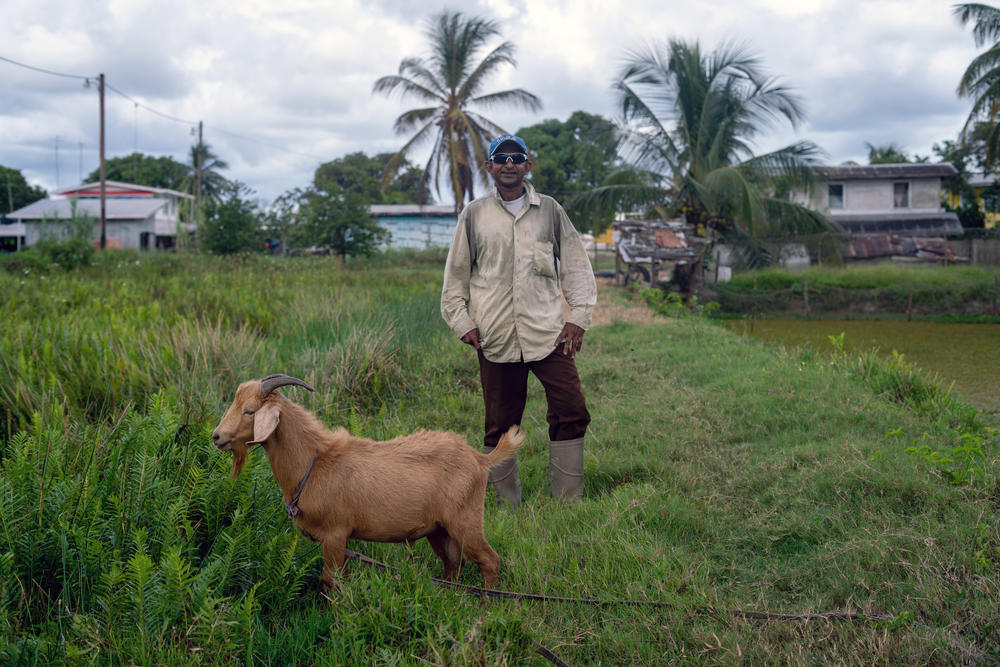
[{"x": 506, "y": 448}]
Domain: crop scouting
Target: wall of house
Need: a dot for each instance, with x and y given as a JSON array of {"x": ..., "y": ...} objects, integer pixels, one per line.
[
  {"x": 127, "y": 232},
  {"x": 415, "y": 231},
  {"x": 877, "y": 196}
]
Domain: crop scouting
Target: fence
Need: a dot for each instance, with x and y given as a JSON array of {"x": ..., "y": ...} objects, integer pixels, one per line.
[{"x": 984, "y": 252}]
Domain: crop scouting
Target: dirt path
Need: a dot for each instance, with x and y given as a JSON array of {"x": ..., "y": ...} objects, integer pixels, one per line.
[{"x": 609, "y": 310}]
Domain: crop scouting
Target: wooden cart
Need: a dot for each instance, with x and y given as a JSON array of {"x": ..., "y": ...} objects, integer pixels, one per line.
[{"x": 650, "y": 252}]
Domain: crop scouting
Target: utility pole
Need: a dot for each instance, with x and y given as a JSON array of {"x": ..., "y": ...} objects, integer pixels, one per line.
[
  {"x": 104, "y": 217},
  {"x": 10, "y": 195},
  {"x": 197, "y": 196},
  {"x": 57, "y": 161}
]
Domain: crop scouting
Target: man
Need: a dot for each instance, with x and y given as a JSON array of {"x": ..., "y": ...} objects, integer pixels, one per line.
[{"x": 511, "y": 250}]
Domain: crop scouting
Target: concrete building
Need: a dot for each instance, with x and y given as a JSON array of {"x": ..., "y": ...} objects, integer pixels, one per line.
[{"x": 902, "y": 199}]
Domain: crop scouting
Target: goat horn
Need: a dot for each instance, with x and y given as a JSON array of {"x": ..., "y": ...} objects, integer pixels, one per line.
[{"x": 272, "y": 382}]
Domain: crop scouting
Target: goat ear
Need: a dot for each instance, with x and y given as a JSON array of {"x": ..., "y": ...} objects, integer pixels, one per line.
[{"x": 264, "y": 423}]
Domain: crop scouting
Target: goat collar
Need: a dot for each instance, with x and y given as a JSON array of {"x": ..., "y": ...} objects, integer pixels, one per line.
[{"x": 293, "y": 506}]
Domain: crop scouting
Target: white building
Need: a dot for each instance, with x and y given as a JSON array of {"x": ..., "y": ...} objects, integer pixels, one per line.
[{"x": 136, "y": 216}]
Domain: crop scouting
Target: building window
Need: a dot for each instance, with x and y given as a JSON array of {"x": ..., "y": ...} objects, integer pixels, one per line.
[
  {"x": 900, "y": 195},
  {"x": 837, "y": 196}
]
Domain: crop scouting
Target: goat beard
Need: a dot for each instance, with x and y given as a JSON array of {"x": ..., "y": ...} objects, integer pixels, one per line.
[{"x": 239, "y": 460}]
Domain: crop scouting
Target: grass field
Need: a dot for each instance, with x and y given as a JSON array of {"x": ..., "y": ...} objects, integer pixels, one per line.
[{"x": 731, "y": 481}]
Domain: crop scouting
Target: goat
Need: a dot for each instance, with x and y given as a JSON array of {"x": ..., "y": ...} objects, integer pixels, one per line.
[{"x": 337, "y": 486}]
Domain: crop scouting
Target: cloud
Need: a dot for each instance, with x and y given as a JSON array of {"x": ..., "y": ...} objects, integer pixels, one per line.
[{"x": 294, "y": 78}]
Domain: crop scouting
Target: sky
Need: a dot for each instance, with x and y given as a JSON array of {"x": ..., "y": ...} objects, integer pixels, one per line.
[{"x": 284, "y": 85}]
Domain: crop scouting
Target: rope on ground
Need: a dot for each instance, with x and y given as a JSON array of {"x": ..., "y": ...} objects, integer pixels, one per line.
[
  {"x": 546, "y": 653},
  {"x": 656, "y": 604}
]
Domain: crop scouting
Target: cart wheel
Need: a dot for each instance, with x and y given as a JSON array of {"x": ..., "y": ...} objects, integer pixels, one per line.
[{"x": 637, "y": 275}]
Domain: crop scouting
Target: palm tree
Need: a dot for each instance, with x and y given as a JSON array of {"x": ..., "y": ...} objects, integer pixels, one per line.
[
  {"x": 450, "y": 81},
  {"x": 688, "y": 121},
  {"x": 213, "y": 183},
  {"x": 981, "y": 80}
]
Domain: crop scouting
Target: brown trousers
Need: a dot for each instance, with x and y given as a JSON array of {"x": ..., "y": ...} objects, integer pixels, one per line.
[{"x": 505, "y": 390}]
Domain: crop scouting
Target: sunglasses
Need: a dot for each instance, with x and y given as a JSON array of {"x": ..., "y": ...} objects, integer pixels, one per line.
[{"x": 516, "y": 158}]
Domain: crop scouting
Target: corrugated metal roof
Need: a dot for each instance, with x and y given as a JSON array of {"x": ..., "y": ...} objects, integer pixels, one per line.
[
  {"x": 983, "y": 180},
  {"x": 920, "y": 224},
  {"x": 849, "y": 172},
  {"x": 115, "y": 209},
  {"x": 411, "y": 209}
]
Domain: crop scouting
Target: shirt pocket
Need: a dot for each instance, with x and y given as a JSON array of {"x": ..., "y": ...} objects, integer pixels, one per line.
[{"x": 542, "y": 259}]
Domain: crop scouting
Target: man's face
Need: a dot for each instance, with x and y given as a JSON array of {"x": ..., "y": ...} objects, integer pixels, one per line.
[{"x": 509, "y": 175}]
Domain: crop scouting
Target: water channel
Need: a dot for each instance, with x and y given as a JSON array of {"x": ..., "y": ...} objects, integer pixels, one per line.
[{"x": 966, "y": 354}]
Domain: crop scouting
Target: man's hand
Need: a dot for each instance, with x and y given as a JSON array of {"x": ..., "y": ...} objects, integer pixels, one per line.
[
  {"x": 472, "y": 338},
  {"x": 571, "y": 339}
]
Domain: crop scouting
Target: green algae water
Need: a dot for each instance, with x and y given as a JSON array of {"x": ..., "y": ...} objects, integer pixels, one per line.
[{"x": 967, "y": 355}]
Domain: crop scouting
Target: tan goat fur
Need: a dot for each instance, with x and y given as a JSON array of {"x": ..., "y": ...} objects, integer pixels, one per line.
[{"x": 429, "y": 484}]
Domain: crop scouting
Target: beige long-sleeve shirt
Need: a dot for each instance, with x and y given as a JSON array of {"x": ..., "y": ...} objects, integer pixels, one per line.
[{"x": 503, "y": 277}]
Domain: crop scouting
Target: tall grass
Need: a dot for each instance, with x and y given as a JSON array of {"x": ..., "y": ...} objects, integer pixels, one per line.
[{"x": 721, "y": 475}]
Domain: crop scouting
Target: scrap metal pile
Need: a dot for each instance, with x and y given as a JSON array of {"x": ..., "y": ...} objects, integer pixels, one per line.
[{"x": 650, "y": 251}]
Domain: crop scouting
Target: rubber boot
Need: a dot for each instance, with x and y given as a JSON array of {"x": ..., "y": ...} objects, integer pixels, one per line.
[
  {"x": 506, "y": 480},
  {"x": 566, "y": 469}
]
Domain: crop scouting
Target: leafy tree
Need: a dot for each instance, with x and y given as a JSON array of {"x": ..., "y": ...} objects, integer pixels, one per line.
[
  {"x": 689, "y": 118},
  {"x": 571, "y": 158},
  {"x": 231, "y": 222},
  {"x": 283, "y": 220},
  {"x": 15, "y": 192},
  {"x": 450, "y": 81},
  {"x": 359, "y": 174},
  {"x": 339, "y": 220},
  {"x": 149, "y": 170}
]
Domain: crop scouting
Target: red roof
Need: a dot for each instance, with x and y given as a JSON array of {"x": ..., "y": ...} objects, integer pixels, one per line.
[{"x": 117, "y": 189}]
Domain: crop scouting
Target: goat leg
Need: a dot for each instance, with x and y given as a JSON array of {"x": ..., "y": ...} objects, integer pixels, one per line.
[
  {"x": 447, "y": 550},
  {"x": 334, "y": 559}
]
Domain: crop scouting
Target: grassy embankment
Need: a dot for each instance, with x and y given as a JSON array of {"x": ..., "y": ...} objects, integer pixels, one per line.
[
  {"x": 884, "y": 290},
  {"x": 722, "y": 475}
]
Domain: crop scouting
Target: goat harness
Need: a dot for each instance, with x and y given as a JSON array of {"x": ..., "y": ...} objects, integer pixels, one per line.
[{"x": 293, "y": 506}]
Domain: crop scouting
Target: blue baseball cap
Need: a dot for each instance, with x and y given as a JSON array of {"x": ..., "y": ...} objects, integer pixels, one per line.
[{"x": 504, "y": 138}]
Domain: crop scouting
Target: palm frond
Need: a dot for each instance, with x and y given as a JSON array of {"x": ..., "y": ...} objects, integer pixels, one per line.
[
  {"x": 396, "y": 161},
  {"x": 515, "y": 97},
  {"x": 473, "y": 82},
  {"x": 986, "y": 18},
  {"x": 455, "y": 40},
  {"x": 414, "y": 117},
  {"x": 388, "y": 85}
]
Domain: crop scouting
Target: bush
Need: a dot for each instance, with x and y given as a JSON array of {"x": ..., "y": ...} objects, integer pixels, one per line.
[
  {"x": 26, "y": 262},
  {"x": 69, "y": 254}
]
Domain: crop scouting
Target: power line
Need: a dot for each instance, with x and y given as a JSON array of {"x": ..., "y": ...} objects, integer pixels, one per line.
[
  {"x": 149, "y": 108},
  {"x": 167, "y": 116},
  {"x": 48, "y": 71},
  {"x": 263, "y": 143},
  {"x": 211, "y": 127}
]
